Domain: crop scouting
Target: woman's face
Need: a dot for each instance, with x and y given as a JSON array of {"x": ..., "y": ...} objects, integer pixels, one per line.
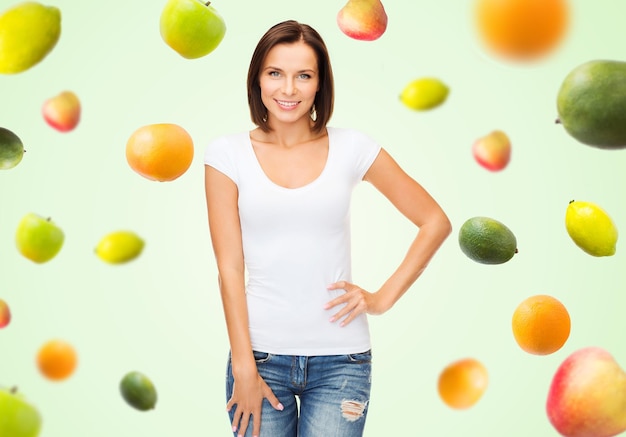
[{"x": 289, "y": 81}]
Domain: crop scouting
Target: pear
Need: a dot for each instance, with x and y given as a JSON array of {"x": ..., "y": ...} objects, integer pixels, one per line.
[
  {"x": 28, "y": 32},
  {"x": 587, "y": 396},
  {"x": 364, "y": 20}
]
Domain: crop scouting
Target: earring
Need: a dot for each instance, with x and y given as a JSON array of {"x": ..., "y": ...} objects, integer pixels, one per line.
[
  {"x": 265, "y": 118},
  {"x": 313, "y": 113}
]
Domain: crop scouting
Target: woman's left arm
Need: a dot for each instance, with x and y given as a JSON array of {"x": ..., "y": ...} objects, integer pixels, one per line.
[{"x": 415, "y": 203}]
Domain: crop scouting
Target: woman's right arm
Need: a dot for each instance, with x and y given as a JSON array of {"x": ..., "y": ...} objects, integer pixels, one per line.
[{"x": 225, "y": 229}]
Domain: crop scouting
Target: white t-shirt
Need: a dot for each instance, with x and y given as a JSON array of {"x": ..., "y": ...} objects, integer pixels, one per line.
[{"x": 296, "y": 241}]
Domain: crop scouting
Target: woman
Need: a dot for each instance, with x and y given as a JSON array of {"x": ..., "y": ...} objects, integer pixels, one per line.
[{"x": 278, "y": 207}]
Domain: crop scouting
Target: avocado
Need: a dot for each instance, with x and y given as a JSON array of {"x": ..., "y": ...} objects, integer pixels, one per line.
[{"x": 591, "y": 104}]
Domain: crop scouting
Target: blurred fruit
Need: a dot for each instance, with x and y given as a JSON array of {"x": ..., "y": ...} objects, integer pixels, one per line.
[
  {"x": 493, "y": 151},
  {"x": 11, "y": 149},
  {"x": 587, "y": 396},
  {"x": 487, "y": 241},
  {"x": 138, "y": 391},
  {"x": 424, "y": 93},
  {"x": 28, "y": 32},
  {"x": 591, "y": 104},
  {"x": 57, "y": 359},
  {"x": 364, "y": 20},
  {"x": 5, "y": 315},
  {"x": 18, "y": 417},
  {"x": 462, "y": 383},
  {"x": 62, "y": 111},
  {"x": 591, "y": 228},
  {"x": 541, "y": 324},
  {"x": 160, "y": 152},
  {"x": 192, "y": 28},
  {"x": 521, "y": 30},
  {"x": 38, "y": 239},
  {"x": 119, "y": 247}
]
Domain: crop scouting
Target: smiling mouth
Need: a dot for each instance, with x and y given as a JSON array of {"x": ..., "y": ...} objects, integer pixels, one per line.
[{"x": 286, "y": 104}]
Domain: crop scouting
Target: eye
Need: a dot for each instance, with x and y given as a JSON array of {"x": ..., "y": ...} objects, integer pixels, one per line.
[
  {"x": 273, "y": 74},
  {"x": 304, "y": 76}
]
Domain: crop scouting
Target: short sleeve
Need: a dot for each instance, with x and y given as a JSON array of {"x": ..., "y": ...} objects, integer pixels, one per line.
[
  {"x": 366, "y": 150},
  {"x": 219, "y": 154}
]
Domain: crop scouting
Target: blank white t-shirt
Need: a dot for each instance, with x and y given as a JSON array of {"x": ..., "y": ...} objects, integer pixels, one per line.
[{"x": 296, "y": 241}]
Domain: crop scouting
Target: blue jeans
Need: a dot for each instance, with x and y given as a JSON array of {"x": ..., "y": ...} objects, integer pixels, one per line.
[{"x": 333, "y": 393}]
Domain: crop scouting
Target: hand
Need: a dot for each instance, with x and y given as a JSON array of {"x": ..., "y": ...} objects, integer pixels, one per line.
[
  {"x": 248, "y": 394},
  {"x": 357, "y": 301}
]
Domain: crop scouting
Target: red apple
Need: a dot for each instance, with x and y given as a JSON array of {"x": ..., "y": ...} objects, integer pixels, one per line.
[
  {"x": 493, "y": 151},
  {"x": 5, "y": 314},
  {"x": 62, "y": 111},
  {"x": 587, "y": 396}
]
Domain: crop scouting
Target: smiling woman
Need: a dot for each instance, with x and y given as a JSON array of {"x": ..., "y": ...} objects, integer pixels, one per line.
[{"x": 278, "y": 201}]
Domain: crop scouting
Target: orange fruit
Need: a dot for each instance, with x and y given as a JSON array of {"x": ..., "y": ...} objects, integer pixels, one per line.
[
  {"x": 462, "y": 383},
  {"x": 541, "y": 324},
  {"x": 522, "y": 29},
  {"x": 56, "y": 359},
  {"x": 160, "y": 152}
]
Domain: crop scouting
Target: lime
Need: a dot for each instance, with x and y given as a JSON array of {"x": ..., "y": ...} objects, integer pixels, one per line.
[
  {"x": 487, "y": 241},
  {"x": 119, "y": 247},
  {"x": 11, "y": 149},
  {"x": 424, "y": 93},
  {"x": 28, "y": 32},
  {"x": 591, "y": 228},
  {"x": 138, "y": 391}
]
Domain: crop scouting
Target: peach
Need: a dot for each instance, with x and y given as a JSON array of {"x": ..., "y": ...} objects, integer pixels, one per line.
[
  {"x": 62, "y": 111},
  {"x": 492, "y": 151},
  {"x": 587, "y": 396},
  {"x": 364, "y": 20}
]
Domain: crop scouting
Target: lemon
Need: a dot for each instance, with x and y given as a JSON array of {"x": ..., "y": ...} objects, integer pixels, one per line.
[
  {"x": 28, "y": 32},
  {"x": 591, "y": 228},
  {"x": 138, "y": 391},
  {"x": 119, "y": 247},
  {"x": 487, "y": 241},
  {"x": 424, "y": 93}
]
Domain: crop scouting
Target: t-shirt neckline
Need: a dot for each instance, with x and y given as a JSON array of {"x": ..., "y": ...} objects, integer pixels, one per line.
[{"x": 312, "y": 183}]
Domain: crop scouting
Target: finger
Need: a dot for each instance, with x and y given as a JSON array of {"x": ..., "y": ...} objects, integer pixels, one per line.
[
  {"x": 273, "y": 400},
  {"x": 256, "y": 423},
  {"x": 336, "y": 301},
  {"x": 230, "y": 404},
  {"x": 243, "y": 425},
  {"x": 236, "y": 420},
  {"x": 345, "y": 310},
  {"x": 338, "y": 285}
]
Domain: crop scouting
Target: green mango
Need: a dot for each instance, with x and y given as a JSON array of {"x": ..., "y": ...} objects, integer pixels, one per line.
[{"x": 591, "y": 104}]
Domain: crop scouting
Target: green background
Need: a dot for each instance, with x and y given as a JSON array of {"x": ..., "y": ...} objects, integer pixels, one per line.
[{"x": 162, "y": 315}]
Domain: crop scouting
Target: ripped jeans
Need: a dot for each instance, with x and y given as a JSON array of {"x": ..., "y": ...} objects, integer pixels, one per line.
[{"x": 323, "y": 395}]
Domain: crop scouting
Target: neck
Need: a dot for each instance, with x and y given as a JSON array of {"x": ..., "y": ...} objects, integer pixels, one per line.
[{"x": 292, "y": 134}]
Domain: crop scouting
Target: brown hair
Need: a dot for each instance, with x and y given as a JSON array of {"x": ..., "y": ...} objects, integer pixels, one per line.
[{"x": 291, "y": 31}]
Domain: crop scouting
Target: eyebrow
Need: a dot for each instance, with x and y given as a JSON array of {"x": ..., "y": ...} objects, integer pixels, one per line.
[{"x": 306, "y": 70}]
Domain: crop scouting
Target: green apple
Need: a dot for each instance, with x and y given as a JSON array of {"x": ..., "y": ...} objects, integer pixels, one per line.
[
  {"x": 11, "y": 149},
  {"x": 37, "y": 238},
  {"x": 192, "y": 28},
  {"x": 18, "y": 418}
]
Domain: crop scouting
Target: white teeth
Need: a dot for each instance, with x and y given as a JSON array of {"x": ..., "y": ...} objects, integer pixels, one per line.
[{"x": 289, "y": 104}]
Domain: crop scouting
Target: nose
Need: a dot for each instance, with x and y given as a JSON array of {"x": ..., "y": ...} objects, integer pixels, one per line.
[{"x": 289, "y": 86}]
